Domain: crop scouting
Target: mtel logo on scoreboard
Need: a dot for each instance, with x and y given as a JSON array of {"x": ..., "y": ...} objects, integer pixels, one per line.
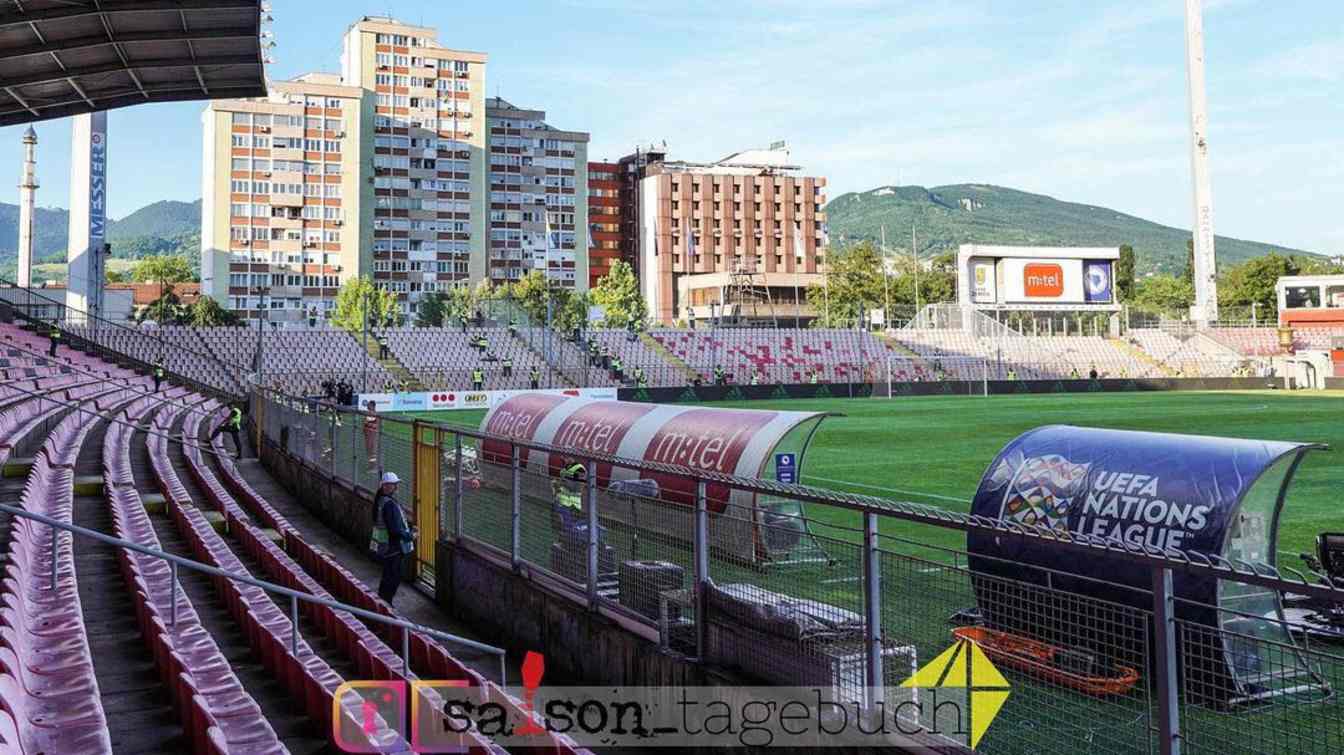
[
  {"x": 1036, "y": 277},
  {"x": 1043, "y": 280}
]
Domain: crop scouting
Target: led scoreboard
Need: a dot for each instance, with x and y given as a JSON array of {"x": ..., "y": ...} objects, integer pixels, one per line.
[{"x": 1036, "y": 277}]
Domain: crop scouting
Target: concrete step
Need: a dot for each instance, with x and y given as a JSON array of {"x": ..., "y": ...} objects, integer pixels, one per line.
[
  {"x": 17, "y": 467},
  {"x": 89, "y": 484}
]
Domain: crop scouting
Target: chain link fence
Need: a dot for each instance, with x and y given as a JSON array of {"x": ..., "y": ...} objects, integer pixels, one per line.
[{"x": 797, "y": 587}]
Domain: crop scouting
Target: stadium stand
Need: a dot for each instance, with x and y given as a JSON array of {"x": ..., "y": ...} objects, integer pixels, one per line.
[
  {"x": 1249, "y": 341},
  {"x": 224, "y": 677},
  {"x": 637, "y": 352},
  {"x": 445, "y": 358},
  {"x": 779, "y": 356}
]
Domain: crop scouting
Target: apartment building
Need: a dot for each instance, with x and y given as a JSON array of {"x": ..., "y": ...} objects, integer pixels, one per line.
[
  {"x": 604, "y": 219},
  {"x": 285, "y": 197},
  {"x": 427, "y": 155},
  {"x": 631, "y": 172},
  {"x": 741, "y": 237},
  {"x": 538, "y": 173}
]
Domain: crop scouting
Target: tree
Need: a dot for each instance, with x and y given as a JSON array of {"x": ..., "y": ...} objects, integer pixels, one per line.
[
  {"x": 165, "y": 310},
  {"x": 530, "y": 293},
  {"x": 207, "y": 313},
  {"x": 1189, "y": 274},
  {"x": 164, "y": 271},
  {"x": 854, "y": 283},
  {"x": 618, "y": 294},
  {"x": 358, "y": 297},
  {"x": 1124, "y": 273},
  {"x": 1166, "y": 294},
  {"x": 117, "y": 276},
  {"x": 433, "y": 311}
]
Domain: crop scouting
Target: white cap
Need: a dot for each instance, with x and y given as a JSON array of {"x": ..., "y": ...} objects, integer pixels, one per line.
[{"x": 390, "y": 478}]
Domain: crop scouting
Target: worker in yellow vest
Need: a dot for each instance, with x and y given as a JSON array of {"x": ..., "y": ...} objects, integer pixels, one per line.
[{"x": 232, "y": 425}]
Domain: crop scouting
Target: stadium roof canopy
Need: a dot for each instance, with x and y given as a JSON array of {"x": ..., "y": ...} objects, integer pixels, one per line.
[{"x": 65, "y": 57}]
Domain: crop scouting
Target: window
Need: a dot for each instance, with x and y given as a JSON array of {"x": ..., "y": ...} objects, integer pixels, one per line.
[
  {"x": 1334, "y": 297},
  {"x": 241, "y": 119},
  {"x": 1302, "y": 297},
  {"x": 261, "y": 142},
  {"x": 240, "y": 140}
]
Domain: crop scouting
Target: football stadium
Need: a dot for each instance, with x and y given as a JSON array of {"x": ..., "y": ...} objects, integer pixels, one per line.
[{"x": 422, "y": 500}]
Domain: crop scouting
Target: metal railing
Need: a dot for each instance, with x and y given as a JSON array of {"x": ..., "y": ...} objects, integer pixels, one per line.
[
  {"x": 295, "y": 596},
  {"x": 884, "y": 577},
  {"x": 105, "y": 338}
]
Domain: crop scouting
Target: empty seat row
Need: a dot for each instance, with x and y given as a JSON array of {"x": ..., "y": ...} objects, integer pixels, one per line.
[
  {"x": 206, "y": 692},
  {"x": 47, "y": 682}
]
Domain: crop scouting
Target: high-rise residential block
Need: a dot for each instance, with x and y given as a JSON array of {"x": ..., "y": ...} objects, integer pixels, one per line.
[
  {"x": 286, "y": 197},
  {"x": 428, "y": 156},
  {"x": 538, "y": 180},
  {"x": 604, "y": 219}
]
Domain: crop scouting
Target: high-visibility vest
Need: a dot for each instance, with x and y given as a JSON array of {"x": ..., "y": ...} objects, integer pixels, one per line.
[
  {"x": 569, "y": 500},
  {"x": 235, "y": 418},
  {"x": 477, "y": 376},
  {"x": 158, "y": 372}
]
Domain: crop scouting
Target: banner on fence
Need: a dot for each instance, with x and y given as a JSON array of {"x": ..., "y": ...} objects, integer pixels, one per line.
[{"x": 428, "y": 401}]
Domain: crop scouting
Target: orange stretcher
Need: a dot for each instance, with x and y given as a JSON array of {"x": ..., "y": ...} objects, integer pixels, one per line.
[{"x": 1048, "y": 662}]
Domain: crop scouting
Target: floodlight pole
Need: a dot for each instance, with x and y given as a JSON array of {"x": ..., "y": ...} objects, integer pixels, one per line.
[{"x": 1206, "y": 283}]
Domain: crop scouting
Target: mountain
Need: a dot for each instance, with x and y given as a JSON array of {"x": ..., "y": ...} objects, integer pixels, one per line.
[
  {"x": 946, "y": 216},
  {"x": 49, "y": 228},
  {"x": 162, "y": 228},
  {"x": 163, "y": 218}
]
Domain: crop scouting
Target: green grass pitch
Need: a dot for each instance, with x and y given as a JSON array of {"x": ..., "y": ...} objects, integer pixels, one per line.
[{"x": 933, "y": 449}]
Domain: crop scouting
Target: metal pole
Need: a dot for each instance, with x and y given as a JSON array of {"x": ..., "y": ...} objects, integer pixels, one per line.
[
  {"x": 405, "y": 652},
  {"x": 914, "y": 252},
  {"x": 294, "y": 625},
  {"x": 516, "y": 509},
  {"x": 701, "y": 564},
  {"x": 886, "y": 287},
  {"x": 1168, "y": 700},
  {"x": 172, "y": 616},
  {"x": 593, "y": 532},
  {"x": 872, "y": 602},
  {"x": 54, "y": 533},
  {"x": 457, "y": 494}
]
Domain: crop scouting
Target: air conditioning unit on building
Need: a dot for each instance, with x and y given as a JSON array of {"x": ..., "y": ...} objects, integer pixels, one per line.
[{"x": 337, "y": 222}]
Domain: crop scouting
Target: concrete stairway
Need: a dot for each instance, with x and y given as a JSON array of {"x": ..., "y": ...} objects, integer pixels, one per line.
[{"x": 403, "y": 376}]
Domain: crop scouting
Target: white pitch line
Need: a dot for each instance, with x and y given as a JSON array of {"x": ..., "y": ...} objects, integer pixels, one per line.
[{"x": 890, "y": 490}]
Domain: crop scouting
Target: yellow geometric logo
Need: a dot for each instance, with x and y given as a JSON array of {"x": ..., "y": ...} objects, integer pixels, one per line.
[{"x": 965, "y": 666}]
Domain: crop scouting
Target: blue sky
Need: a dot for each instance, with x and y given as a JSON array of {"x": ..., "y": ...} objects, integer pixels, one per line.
[{"x": 1083, "y": 101}]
